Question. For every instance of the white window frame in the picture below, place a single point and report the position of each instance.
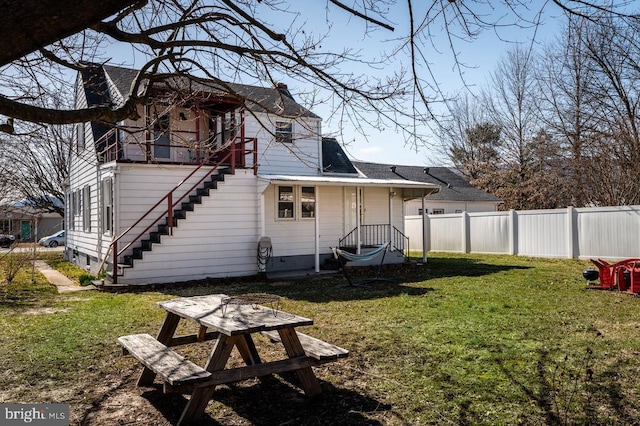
(298, 212)
(284, 131)
(304, 213)
(280, 201)
(107, 205)
(80, 129)
(86, 208)
(70, 213)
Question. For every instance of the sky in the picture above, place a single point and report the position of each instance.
(480, 56)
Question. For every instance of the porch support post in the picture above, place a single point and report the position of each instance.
(424, 231)
(317, 229)
(358, 224)
(390, 233)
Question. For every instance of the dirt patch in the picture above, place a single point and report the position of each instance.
(43, 311)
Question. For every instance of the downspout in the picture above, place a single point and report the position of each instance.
(262, 213)
(115, 193)
(317, 230)
(99, 210)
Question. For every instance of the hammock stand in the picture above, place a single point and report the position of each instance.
(344, 256)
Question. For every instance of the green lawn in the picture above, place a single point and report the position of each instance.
(461, 340)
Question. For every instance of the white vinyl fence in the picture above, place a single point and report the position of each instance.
(604, 232)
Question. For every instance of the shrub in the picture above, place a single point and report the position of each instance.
(86, 279)
(12, 263)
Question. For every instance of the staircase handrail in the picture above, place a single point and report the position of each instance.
(114, 244)
(171, 203)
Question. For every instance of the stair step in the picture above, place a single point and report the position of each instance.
(155, 237)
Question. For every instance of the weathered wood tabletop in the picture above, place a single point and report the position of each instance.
(232, 322)
(214, 311)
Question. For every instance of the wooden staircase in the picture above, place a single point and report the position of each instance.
(163, 229)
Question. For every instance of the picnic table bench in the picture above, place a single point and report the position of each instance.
(230, 325)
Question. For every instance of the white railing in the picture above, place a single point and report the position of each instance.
(605, 232)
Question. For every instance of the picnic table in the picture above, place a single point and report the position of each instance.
(231, 322)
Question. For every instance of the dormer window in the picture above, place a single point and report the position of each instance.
(284, 131)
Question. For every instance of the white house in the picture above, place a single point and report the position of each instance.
(190, 189)
(456, 194)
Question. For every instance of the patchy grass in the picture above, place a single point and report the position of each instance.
(460, 340)
(28, 287)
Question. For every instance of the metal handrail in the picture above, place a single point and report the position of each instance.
(371, 235)
(113, 247)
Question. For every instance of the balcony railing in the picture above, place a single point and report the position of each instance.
(243, 152)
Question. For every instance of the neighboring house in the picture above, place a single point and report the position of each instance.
(456, 195)
(26, 223)
(190, 191)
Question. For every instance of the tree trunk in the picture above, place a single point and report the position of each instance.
(27, 25)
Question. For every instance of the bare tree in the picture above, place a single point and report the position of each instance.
(35, 167)
(469, 140)
(566, 76)
(610, 163)
(42, 40)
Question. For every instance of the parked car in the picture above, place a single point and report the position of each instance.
(6, 240)
(54, 240)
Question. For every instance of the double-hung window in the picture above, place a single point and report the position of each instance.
(286, 202)
(308, 201)
(284, 131)
(296, 202)
(107, 206)
(86, 208)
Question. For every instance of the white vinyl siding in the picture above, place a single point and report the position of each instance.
(218, 239)
(299, 158)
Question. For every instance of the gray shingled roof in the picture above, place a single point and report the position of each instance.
(334, 160)
(258, 99)
(453, 187)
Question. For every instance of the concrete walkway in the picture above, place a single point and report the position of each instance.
(64, 284)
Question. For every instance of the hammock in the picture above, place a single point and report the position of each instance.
(350, 257)
(360, 257)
